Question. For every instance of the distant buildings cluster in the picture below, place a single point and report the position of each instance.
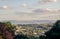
(34, 29)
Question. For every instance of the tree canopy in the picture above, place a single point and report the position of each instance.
(54, 33)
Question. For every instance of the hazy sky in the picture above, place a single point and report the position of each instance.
(29, 10)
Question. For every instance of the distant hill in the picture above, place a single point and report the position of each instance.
(33, 22)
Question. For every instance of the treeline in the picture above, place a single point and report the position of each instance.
(7, 32)
(4, 33)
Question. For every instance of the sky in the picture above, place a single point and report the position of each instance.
(27, 10)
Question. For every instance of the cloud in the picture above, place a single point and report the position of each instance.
(46, 1)
(5, 7)
(24, 5)
(48, 10)
(1, 0)
(39, 11)
(23, 17)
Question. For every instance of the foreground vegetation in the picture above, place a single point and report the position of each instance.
(7, 30)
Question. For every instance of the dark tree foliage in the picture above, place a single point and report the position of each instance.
(3, 31)
(21, 37)
(42, 37)
(54, 33)
(10, 27)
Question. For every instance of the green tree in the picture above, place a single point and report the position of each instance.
(10, 27)
(7, 24)
(54, 33)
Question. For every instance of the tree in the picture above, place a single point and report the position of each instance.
(10, 27)
(54, 33)
(4, 33)
(42, 37)
(21, 37)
